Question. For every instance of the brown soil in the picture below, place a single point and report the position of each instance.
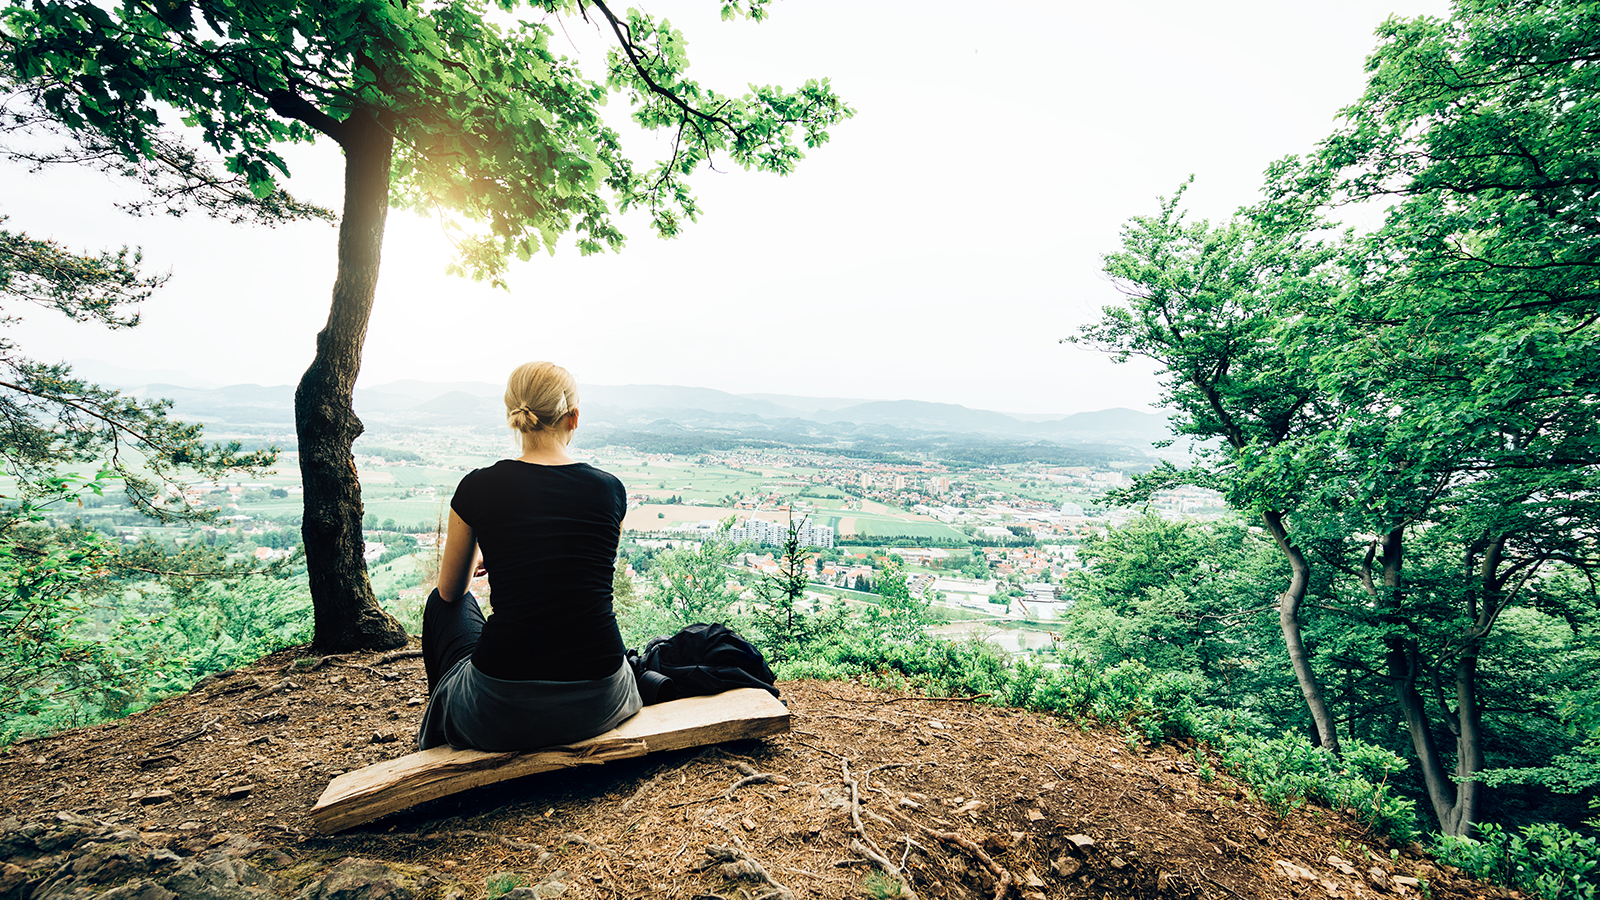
(943, 785)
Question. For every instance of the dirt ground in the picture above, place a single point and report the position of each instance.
(965, 799)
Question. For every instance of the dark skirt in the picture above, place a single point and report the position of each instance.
(468, 709)
(471, 709)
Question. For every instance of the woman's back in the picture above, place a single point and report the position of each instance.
(549, 540)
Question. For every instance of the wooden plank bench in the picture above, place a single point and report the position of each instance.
(387, 787)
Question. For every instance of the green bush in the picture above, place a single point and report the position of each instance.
(1287, 771)
(641, 620)
(153, 644)
(48, 661)
(1156, 706)
(790, 670)
(1545, 860)
(918, 663)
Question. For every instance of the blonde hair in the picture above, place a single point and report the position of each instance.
(539, 395)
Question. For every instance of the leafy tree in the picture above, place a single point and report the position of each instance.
(1205, 303)
(49, 418)
(897, 615)
(691, 583)
(1358, 421)
(1434, 384)
(622, 592)
(1464, 354)
(43, 653)
(1575, 768)
(1181, 597)
(436, 108)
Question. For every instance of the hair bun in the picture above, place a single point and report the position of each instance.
(538, 396)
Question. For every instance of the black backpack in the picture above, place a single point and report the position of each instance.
(699, 660)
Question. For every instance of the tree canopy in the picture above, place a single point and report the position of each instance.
(1418, 403)
(491, 129)
(446, 107)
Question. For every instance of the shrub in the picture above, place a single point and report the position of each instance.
(502, 883)
(1289, 770)
(47, 660)
(157, 645)
(1545, 860)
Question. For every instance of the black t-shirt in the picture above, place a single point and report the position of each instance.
(549, 537)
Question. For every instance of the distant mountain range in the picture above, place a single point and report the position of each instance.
(667, 411)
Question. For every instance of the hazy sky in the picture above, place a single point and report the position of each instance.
(937, 249)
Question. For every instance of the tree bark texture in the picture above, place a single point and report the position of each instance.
(346, 610)
(1289, 620)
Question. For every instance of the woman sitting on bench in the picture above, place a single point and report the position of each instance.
(548, 666)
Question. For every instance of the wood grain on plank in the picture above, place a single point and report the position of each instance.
(388, 787)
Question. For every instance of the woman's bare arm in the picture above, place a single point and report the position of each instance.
(460, 560)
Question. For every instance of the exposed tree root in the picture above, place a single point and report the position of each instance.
(1001, 875)
(863, 843)
(572, 837)
(739, 865)
(397, 654)
(970, 699)
(754, 777)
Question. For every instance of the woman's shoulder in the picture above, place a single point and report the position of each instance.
(603, 480)
(487, 473)
(594, 471)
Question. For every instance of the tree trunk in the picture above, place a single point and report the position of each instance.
(1455, 803)
(1484, 604)
(1289, 620)
(1463, 816)
(1405, 667)
(347, 613)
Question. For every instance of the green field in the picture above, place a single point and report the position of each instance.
(893, 528)
(692, 482)
(408, 512)
(403, 572)
(390, 493)
(423, 476)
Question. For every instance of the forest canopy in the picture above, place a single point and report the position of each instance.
(1412, 413)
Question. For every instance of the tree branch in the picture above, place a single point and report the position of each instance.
(631, 50)
(290, 105)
